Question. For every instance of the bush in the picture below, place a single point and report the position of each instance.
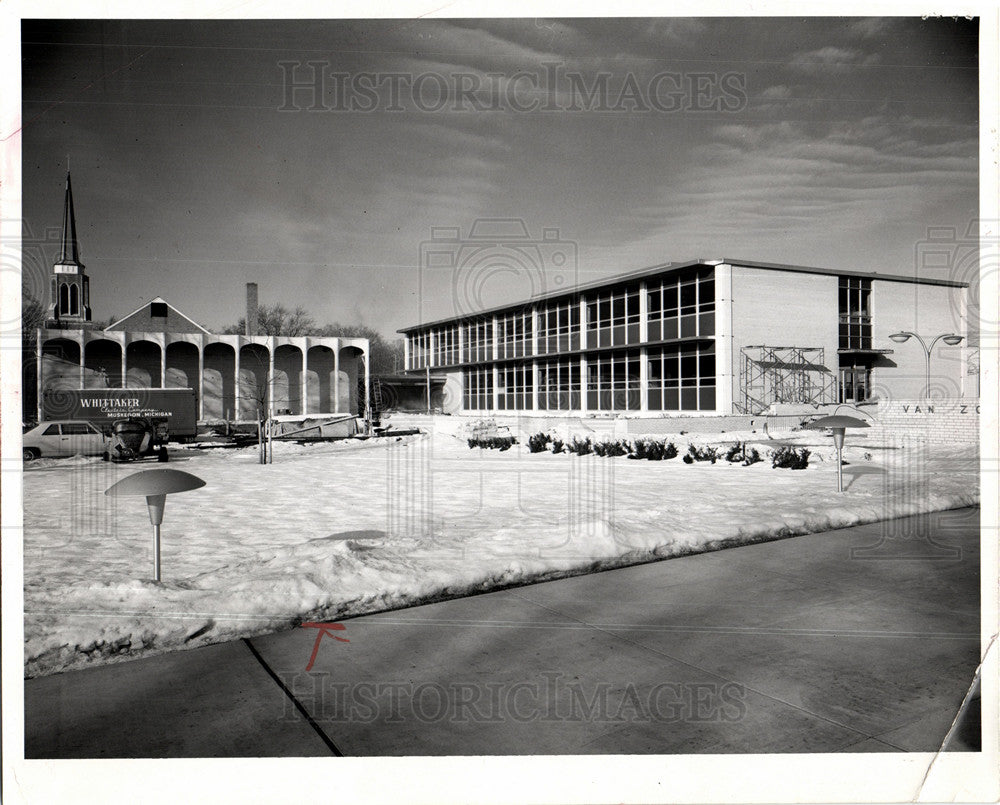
(753, 457)
(539, 442)
(738, 452)
(557, 445)
(580, 447)
(494, 442)
(701, 454)
(611, 448)
(653, 450)
(790, 458)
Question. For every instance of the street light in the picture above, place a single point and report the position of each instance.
(951, 339)
(838, 425)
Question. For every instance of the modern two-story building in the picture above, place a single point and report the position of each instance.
(709, 337)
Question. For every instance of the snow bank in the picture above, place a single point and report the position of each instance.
(329, 531)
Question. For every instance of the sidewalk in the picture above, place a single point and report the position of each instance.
(797, 645)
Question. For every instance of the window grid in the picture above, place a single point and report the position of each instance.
(682, 306)
(559, 385)
(477, 392)
(559, 327)
(613, 382)
(514, 334)
(681, 378)
(419, 350)
(446, 346)
(477, 341)
(514, 388)
(613, 318)
(854, 302)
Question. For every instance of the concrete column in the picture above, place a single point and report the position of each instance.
(534, 330)
(82, 344)
(163, 364)
(583, 322)
(201, 379)
(270, 377)
(236, 386)
(124, 346)
(643, 368)
(304, 378)
(643, 316)
(39, 343)
(496, 384)
(336, 380)
(583, 384)
(726, 370)
(534, 385)
(368, 374)
(461, 343)
(406, 353)
(430, 348)
(496, 342)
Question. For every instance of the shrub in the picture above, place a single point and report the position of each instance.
(653, 450)
(611, 448)
(557, 445)
(739, 452)
(494, 442)
(539, 442)
(670, 450)
(580, 446)
(790, 458)
(701, 454)
(753, 457)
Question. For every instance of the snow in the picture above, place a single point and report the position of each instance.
(339, 529)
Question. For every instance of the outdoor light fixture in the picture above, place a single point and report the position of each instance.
(839, 425)
(155, 485)
(951, 339)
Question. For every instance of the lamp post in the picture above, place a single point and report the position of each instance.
(155, 485)
(951, 339)
(838, 425)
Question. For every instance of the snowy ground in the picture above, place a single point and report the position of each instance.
(341, 529)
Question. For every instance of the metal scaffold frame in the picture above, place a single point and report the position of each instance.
(783, 375)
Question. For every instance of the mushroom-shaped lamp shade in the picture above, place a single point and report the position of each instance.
(953, 340)
(899, 338)
(155, 485)
(838, 424)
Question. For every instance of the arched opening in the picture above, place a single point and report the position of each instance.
(220, 382)
(320, 380)
(63, 299)
(287, 387)
(60, 371)
(142, 361)
(352, 373)
(74, 300)
(182, 366)
(103, 364)
(254, 366)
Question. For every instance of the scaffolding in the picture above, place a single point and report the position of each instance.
(783, 375)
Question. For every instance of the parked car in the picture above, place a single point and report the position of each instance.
(136, 437)
(64, 437)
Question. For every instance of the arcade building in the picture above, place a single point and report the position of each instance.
(704, 337)
(158, 346)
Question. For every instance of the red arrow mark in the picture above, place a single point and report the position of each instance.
(324, 628)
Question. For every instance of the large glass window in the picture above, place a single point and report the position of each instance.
(419, 350)
(855, 313)
(681, 306)
(446, 346)
(477, 391)
(477, 340)
(613, 382)
(559, 385)
(559, 327)
(613, 318)
(514, 388)
(681, 378)
(514, 334)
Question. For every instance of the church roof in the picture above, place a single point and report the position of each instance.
(138, 316)
(70, 252)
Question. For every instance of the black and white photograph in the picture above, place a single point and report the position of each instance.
(588, 407)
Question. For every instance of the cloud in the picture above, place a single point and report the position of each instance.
(831, 60)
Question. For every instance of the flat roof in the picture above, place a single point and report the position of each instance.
(663, 268)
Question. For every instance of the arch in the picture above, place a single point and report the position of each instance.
(320, 368)
(220, 381)
(352, 371)
(74, 299)
(63, 298)
(254, 367)
(287, 385)
(60, 365)
(142, 361)
(181, 366)
(102, 359)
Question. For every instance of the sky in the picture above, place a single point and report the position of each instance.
(588, 147)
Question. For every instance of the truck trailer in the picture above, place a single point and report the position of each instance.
(103, 407)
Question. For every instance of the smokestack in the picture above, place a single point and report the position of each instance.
(251, 319)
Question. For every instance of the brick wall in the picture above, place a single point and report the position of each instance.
(945, 420)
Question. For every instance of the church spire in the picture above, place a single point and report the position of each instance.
(70, 248)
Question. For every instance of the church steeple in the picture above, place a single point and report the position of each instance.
(69, 286)
(70, 247)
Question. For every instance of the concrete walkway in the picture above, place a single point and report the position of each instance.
(860, 640)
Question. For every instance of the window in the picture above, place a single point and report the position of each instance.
(613, 318)
(559, 385)
(158, 310)
(855, 383)
(681, 306)
(63, 298)
(514, 334)
(854, 303)
(477, 341)
(559, 327)
(446, 346)
(76, 429)
(514, 388)
(681, 378)
(613, 382)
(419, 350)
(74, 300)
(477, 391)
(51, 430)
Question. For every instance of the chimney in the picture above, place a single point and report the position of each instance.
(251, 319)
